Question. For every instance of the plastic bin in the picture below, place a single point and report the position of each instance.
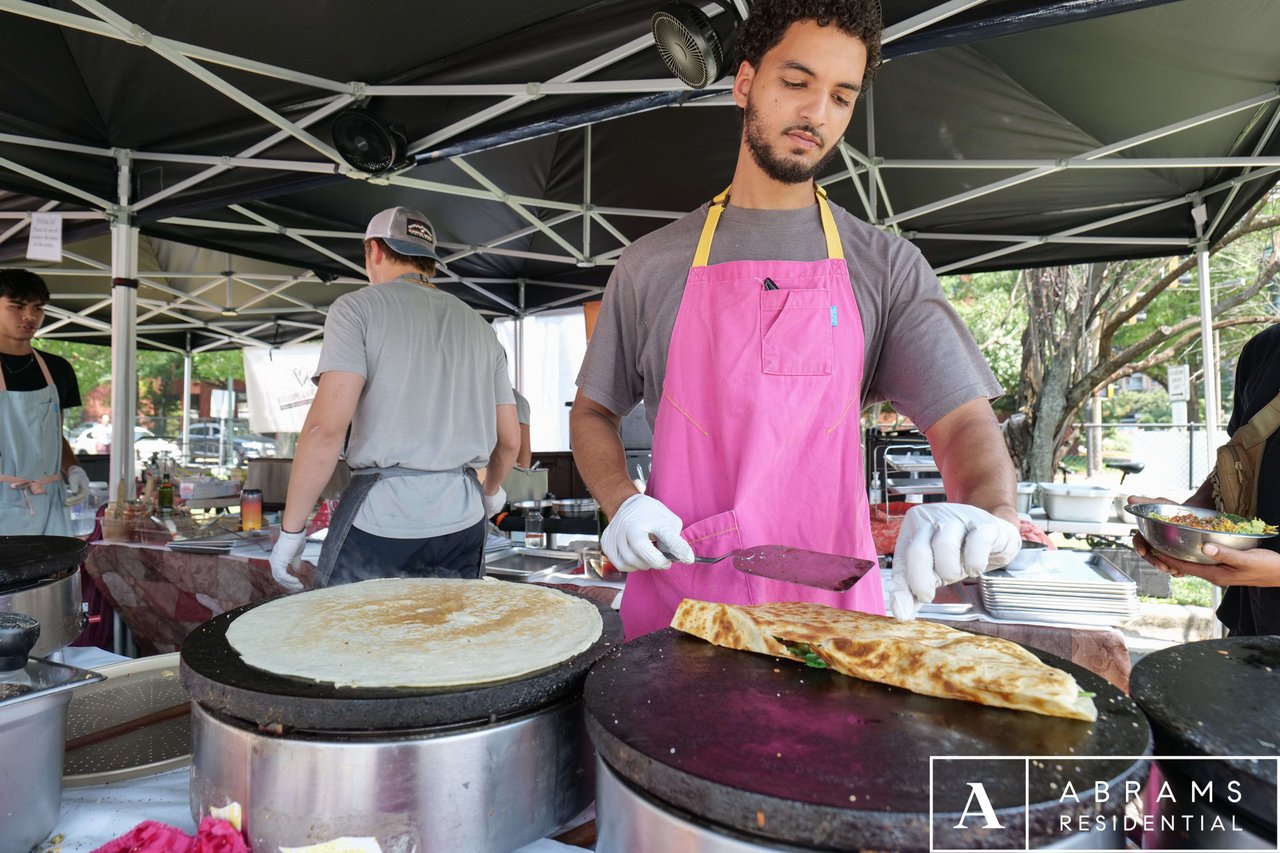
(1072, 502)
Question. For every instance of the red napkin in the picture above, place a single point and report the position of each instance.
(214, 836)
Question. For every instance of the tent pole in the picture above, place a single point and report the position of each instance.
(186, 400)
(519, 340)
(124, 354)
(1200, 215)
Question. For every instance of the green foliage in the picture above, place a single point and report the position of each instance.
(159, 374)
(990, 307)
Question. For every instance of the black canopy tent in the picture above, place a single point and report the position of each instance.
(544, 137)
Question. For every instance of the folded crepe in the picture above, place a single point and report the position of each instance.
(923, 657)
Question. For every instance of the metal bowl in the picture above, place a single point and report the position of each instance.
(576, 507)
(1184, 542)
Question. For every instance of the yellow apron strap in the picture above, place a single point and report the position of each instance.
(834, 250)
(709, 228)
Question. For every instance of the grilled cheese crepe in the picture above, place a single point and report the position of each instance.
(923, 657)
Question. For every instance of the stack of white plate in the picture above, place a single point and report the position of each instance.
(1078, 587)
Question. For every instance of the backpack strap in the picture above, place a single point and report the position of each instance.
(1261, 425)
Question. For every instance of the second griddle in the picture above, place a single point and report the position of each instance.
(773, 748)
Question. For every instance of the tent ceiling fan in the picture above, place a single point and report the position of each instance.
(696, 48)
(367, 143)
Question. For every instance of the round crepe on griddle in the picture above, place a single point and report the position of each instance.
(416, 632)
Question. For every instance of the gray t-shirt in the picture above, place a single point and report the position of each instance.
(522, 408)
(434, 377)
(919, 355)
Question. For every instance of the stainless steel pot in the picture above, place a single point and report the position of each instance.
(53, 602)
(32, 730)
(272, 477)
(493, 787)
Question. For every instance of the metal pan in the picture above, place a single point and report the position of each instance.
(24, 559)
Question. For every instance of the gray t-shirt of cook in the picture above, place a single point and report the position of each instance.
(435, 374)
(522, 409)
(919, 355)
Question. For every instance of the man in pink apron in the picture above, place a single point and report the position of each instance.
(756, 329)
(34, 389)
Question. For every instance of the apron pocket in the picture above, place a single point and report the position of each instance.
(714, 535)
(796, 334)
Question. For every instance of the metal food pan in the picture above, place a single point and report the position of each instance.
(529, 564)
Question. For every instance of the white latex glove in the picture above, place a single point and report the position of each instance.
(626, 540)
(77, 485)
(938, 544)
(287, 555)
(494, 503)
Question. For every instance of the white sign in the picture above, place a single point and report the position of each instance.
(44, 243)
(279, 387)
(222, 403)
(1179, 381)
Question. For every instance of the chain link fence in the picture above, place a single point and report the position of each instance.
(1175, 458)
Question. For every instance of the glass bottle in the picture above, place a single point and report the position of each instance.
(164, 497)
(534, 537)
(251, 509)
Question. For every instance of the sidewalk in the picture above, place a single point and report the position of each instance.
(1162, 625)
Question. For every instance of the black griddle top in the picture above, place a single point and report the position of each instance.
(217, 677)
(1218, 698)
(773, 748)
(26, 559)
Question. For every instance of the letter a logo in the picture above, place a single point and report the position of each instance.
(984, 804)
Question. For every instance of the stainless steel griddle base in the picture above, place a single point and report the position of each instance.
(55, 603)
(488, 788)
(628, 820)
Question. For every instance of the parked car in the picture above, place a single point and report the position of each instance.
(97, 439)
(205, 444)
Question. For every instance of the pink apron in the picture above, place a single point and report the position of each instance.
(757, 439)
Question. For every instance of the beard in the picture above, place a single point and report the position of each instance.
(786, 170)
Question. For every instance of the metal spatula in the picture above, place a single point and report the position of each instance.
(796, 565)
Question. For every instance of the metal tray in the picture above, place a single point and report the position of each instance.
(911, 462)
(529, 564)
(132, 690)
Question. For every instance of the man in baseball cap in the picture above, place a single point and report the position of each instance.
(416, 384)
(404, 230)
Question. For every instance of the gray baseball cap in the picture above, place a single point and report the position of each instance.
(406, 231)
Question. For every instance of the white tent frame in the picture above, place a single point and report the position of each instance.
(191, 310)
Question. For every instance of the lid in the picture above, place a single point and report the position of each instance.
(24, 559)
(40, 677)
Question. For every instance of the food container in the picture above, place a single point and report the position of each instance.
(33, 716)
(576, 507)
(1185, 542)
(1074, 502)
(1026, 495)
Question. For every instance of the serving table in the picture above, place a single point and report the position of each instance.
(163, 595)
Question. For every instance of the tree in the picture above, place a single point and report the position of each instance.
(1089, 326)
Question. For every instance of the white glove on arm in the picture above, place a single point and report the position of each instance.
(626, 540)
(494, 503)
(287, 555)
(938, 544)
(77, 485)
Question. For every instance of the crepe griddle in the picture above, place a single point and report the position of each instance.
(24, 559)
(769, 747)
(219, 680)
(1218, 698)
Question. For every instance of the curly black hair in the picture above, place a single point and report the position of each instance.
(769, 20)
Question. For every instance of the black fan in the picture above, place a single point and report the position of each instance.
(694, 47)
(366, 143)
